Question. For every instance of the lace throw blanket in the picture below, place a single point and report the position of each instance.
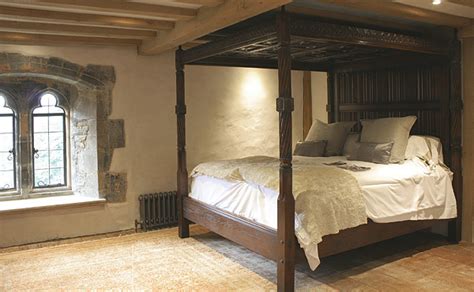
(328, 199)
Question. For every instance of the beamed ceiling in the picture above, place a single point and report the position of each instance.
(155, 26)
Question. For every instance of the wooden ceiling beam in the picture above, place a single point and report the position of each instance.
(209, 3)
(109, 6)
(398, 10)
(55, 40)
(468, 3)
(209, 19)
(467, 32)
(74, 30)
(17, 13)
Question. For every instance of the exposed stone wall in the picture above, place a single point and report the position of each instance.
(87, 91)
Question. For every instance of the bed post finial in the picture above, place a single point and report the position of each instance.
(182, 175)
(286, 201)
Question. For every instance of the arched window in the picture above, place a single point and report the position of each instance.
(49, 143)
(7, 146)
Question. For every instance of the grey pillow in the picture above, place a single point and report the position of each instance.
(396, 130)
(310, 148)
(351, 144)
(335, 134)
(372, 152)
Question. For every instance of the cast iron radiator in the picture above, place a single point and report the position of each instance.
(157, 210)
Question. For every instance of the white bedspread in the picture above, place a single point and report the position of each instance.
(394, 192)
(327, 199)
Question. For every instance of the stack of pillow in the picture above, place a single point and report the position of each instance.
(385, 140)
(324, 139)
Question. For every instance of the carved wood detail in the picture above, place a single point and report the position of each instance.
(312, 42)
(352, 34)
(260, 33)
(286, 201)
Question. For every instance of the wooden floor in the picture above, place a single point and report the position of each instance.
(157, 260)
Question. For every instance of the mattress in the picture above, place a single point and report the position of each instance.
(393, 192)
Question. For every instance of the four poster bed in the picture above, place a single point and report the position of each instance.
(372, 73)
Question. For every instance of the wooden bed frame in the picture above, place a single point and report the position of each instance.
(372, 72)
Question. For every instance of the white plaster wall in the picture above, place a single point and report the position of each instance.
(319, 91)
(231, 113)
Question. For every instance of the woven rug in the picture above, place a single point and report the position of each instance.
(143, 261)
(159, 260)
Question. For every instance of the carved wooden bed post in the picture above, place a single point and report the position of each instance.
(182, 175)
(286, 201)
(455, 111)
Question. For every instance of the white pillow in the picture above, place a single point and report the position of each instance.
(351, 145)
(386, 130)
(335, 134)
(426, 147)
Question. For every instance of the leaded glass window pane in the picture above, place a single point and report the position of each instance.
(49, 143)
(7, 147)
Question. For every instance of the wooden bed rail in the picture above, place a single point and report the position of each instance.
(256, 237)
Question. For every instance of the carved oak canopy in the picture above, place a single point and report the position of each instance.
(316, 44)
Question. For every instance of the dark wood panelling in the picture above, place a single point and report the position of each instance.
(419, 91)
(454, 156)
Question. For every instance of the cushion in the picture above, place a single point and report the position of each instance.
(426, 147)
(310, 148)
(335, 134)
(372, 152)
(351, 144)
(396, 130)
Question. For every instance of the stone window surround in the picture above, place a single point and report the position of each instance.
(94, 85)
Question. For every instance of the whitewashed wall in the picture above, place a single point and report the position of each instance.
(231, 113)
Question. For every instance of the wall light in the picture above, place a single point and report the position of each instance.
(436, 2)
(252, 88)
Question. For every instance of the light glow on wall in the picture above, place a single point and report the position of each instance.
(252, 89)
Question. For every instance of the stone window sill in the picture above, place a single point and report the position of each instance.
(49, 203)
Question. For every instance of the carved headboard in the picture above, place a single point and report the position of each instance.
(421, 90)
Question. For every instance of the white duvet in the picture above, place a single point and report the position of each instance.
(394, 192)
